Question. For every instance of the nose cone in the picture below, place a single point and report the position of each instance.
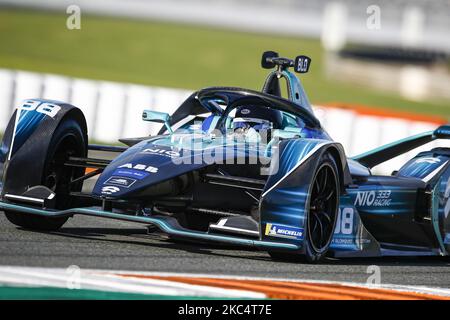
(159, 159)
(141, 166)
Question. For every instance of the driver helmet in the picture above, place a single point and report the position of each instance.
(258, 118)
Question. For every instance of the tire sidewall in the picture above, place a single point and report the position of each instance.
(311, 255)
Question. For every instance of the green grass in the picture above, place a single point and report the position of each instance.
(155, 53)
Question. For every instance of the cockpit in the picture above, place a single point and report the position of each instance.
(244, 114)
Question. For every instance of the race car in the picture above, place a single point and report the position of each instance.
(232, 166)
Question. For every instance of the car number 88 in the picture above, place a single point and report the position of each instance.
(344, 223)
(48, 109)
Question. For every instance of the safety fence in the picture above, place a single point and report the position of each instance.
(113, 110)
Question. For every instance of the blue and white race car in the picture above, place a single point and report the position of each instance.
(233, 166)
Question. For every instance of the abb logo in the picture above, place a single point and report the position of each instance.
(46, 108)
(141, 167)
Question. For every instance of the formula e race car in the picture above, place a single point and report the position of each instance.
(232, 166)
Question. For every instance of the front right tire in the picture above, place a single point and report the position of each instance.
(67, 140)
(321, 215)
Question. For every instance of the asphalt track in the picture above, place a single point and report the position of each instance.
(107, 244)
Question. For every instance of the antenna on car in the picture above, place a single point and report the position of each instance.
(271, 59)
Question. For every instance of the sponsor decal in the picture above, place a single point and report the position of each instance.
(140, 167)
(343, 241)
(161, 152)
(275, 230)
(110, 190)
(121, 181)
(48, 109)
(380, 198)
(351, 242)
(245, 111)
(134, 171)
(130, 173)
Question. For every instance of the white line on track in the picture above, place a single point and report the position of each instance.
(111, 280)
(94, 280)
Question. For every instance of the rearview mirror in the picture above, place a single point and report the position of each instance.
(158, 117)
(266, 61)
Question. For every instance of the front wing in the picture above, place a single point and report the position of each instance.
(165, 224)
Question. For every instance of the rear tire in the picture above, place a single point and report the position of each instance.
(321, 216)
(68, 140)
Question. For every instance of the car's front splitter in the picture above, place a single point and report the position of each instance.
(165, 224)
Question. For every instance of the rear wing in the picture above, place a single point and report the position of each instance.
(389, 151)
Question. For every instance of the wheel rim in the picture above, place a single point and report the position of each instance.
(322, 209)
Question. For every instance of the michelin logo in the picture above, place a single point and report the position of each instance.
(275, 230)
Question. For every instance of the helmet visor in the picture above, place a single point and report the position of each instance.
(247, 123)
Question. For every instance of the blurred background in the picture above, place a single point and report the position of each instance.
(380, 69)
